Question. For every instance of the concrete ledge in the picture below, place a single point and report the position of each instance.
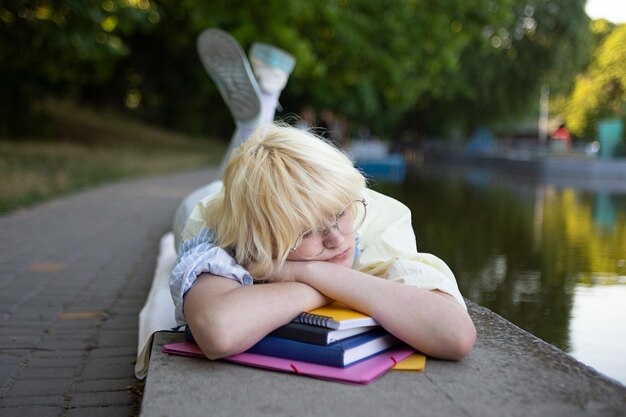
(509, 373)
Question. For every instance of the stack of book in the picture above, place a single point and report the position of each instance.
(333, 342)
(334, 335)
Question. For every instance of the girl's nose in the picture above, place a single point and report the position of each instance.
(333, 238)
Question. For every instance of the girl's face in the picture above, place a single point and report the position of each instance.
(334, 242)
(338, 248)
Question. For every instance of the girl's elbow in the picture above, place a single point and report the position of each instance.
(215, 341)
(216, 349)
(463, 342)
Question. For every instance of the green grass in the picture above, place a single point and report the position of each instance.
(90, 148)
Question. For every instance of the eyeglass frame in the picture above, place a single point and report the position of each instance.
(333, 225)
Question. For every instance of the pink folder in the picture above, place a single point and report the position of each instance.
(363, 372)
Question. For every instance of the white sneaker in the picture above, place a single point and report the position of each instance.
(228, 66)
(272, 67)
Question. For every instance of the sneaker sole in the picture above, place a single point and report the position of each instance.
(227, 65)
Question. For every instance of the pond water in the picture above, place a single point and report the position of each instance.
(550, 259)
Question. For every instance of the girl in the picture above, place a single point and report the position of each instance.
(293, 227)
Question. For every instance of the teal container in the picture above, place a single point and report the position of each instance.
(610, 133)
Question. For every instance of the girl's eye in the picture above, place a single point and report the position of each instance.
(307, 234)
(341, 214)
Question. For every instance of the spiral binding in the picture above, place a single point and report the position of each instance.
(313, 319)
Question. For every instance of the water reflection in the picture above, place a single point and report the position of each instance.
(531, 252)
(593, 323)
(604, 211)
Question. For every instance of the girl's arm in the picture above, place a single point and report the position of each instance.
(227, 318)
(430, 321)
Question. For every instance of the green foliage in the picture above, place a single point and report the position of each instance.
(601, 90)
(407, 64)
(50, 45)
(515, 47)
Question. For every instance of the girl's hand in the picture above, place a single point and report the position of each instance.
(288, 273)
(295, 271)
(302, 271)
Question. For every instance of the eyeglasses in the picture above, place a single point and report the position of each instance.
(311, 243)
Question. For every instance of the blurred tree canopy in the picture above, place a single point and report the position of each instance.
(413, 65)
(600, 91)
(60, 47)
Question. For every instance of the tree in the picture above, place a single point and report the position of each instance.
(374, 62)
(368, 60)
(363, 59)
(515, 47)
(601, 90)
(56, 45)
(413, 64)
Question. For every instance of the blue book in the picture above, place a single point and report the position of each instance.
(338, 354)
(316, 334)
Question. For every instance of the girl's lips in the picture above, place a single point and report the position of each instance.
(341, 256)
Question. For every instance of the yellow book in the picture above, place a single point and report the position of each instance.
(415, 362)
(335, 316)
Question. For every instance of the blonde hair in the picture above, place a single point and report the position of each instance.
(279, 182)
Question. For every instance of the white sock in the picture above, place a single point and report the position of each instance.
(269, 102)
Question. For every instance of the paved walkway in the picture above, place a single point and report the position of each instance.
(74, 274)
